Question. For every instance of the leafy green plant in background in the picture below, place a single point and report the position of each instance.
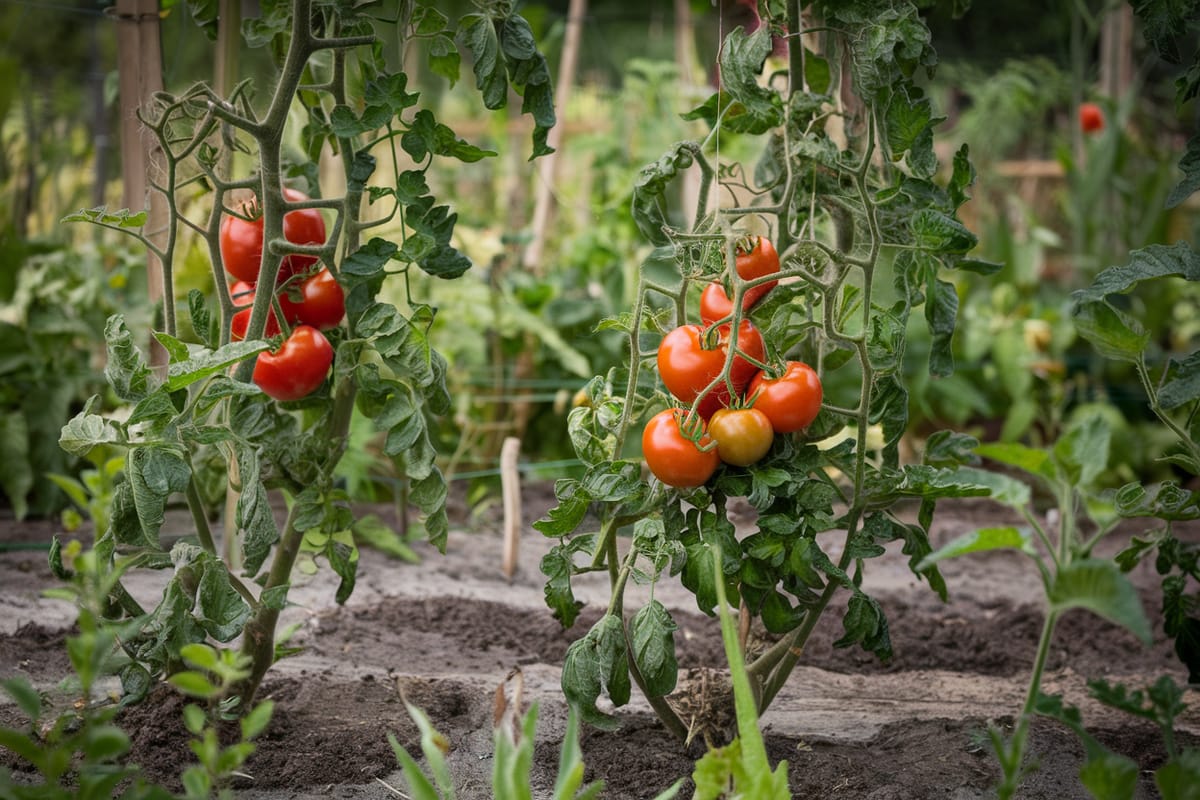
(1072, 577)
(335, 71)
(1111, 314)
(1172, 387)
(845, 188)
(77, 753)
(50, 320)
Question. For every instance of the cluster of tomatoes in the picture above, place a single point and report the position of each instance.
(310, 300)
(684, 449)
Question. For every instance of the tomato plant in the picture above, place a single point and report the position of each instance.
(297, 368)
(1091, 118)
(223, 402)
(843, 221)
(791, 401)
(743, 435)
(673, 451)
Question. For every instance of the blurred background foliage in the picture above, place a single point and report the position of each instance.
(1053, 205)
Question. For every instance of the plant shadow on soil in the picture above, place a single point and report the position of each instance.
(445, 633)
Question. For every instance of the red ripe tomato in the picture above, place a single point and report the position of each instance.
(687, 368)
(241, 323)
(242, 294)
(323, 303)
(1091, 117)
(715, 303)
(297, 368)
(674, 458)
(241, 241)
(743, 435)
(758, 261)
(304, 226)
(792, 401)
(243, 298)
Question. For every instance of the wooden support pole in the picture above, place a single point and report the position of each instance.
(510, 489)
(543, 205)
(139, 72)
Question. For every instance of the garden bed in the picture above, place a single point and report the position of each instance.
(445, 633)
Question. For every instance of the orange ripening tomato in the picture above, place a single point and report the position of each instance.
(743, 435)
(674, 458)
(1091, 118)
(792, 401)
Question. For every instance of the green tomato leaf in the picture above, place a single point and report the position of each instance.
(742, 58)
(86, 430)
(866, 625)
(426, 136)
(1100, 587)
(1149, 263)
(910, 123)
(1183, 385)
(444, 58)
(369, 260)
(220, 609)
(979, 541)
(210, 362)
(937, 232)
(254, 516)
(653, 634)
(126, 370)
(1081, 454)
(155, 473)
(1027, 459)
(1112, 332)
(941, 312)
(611, 651)
(581, 682)
(1189, 165)
(557, 566)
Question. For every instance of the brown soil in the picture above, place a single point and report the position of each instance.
(443, 634)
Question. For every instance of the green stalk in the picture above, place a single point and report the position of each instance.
(1021, 735)
(662, 709)
(258, 637)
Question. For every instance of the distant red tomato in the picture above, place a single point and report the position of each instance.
(1091, 117)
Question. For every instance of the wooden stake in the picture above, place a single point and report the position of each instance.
(542, 210)
(510, 487)
(139, 72)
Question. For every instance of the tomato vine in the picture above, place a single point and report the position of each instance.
(848, 190)
(280, 421)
